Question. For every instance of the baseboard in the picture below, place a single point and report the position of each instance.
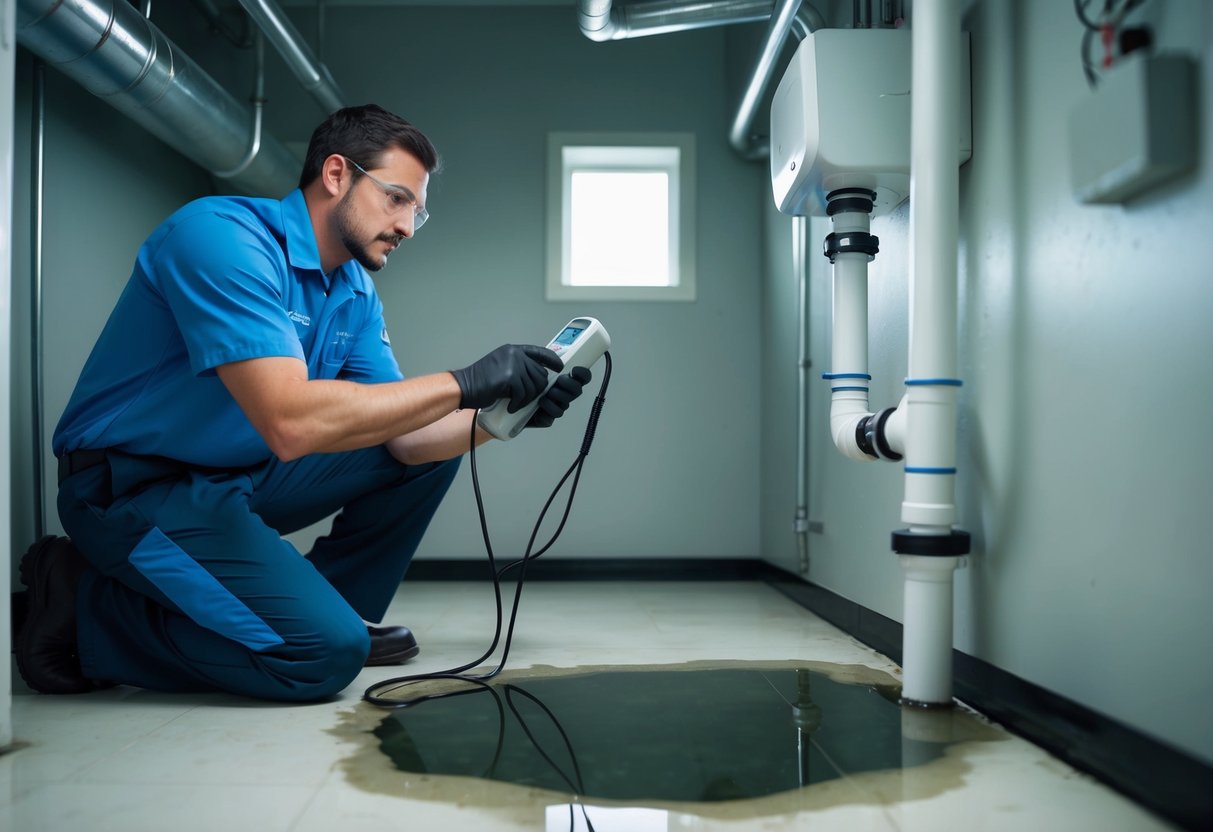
(605, 569)
(1161, 778)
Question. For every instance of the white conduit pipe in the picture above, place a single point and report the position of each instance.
(848, 376)
(929, 505)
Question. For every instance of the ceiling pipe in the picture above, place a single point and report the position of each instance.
(117, 54)
(783, 16)
(312, 74)
(600, 20)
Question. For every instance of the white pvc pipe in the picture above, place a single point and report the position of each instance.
(895, 427)
(934, 211)
(849, 379)
(930, 455)
(926, 653)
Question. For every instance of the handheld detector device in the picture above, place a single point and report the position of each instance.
(580, 344)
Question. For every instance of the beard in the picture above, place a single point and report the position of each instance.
(355, 240)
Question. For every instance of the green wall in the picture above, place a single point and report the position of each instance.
(674, 470)
(107, 184)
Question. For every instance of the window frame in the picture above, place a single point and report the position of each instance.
(681, 207)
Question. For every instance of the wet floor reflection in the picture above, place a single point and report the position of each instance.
(700, 735)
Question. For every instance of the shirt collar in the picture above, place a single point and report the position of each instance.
(301, 249)
(303, 253)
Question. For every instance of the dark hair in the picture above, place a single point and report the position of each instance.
(363, 133)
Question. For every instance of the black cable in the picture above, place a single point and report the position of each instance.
(577, 787)
(1080, 9)
(1112, 18)
(1088, 69)
(375, 694)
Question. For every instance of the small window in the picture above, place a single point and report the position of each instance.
(621, 216)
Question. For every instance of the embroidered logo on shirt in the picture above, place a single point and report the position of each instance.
(383, 337)
(299, 318)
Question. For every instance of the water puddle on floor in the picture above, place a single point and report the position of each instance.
(719, 739)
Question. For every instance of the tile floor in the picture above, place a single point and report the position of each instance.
(132, 760)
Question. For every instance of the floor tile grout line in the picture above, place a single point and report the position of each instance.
(333, 769)
(80, 772)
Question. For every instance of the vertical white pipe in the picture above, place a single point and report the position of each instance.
(849, 347)
(849, 379)
(926, 651)
(930, 458)
(934, 186)
(934, 212)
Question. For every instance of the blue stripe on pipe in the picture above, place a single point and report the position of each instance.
(934, 382)
(916, 470)
(847, 389)
(828, 376)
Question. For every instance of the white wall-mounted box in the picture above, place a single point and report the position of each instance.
(840, 118)
(1136, 130)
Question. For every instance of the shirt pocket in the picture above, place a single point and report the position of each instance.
(338, 344)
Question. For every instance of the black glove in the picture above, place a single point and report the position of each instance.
(513, 371)
(559, 396)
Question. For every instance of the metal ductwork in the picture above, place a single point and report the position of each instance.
(117, 54)
(601, 21)
(312, 74)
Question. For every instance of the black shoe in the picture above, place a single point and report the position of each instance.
(391, 645)
(46, 643)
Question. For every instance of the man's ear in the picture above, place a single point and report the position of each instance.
(332, 171)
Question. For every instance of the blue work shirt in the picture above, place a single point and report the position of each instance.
(223, 279)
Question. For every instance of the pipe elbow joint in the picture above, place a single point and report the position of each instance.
(846, 429)
(880, 435)
(598, 27)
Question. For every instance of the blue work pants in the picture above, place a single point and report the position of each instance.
(193, 588)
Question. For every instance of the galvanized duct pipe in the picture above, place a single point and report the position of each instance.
(114, 52)
(784, 14)
(313, 75)
(600, 21)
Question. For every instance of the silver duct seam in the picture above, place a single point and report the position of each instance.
(600, 20)
(117, 54)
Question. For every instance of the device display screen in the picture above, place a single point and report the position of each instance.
(569, 335)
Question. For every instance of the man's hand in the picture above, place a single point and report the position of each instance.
(513, 371)
(559, 396)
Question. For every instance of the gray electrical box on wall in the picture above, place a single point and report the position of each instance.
(1136, 130)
